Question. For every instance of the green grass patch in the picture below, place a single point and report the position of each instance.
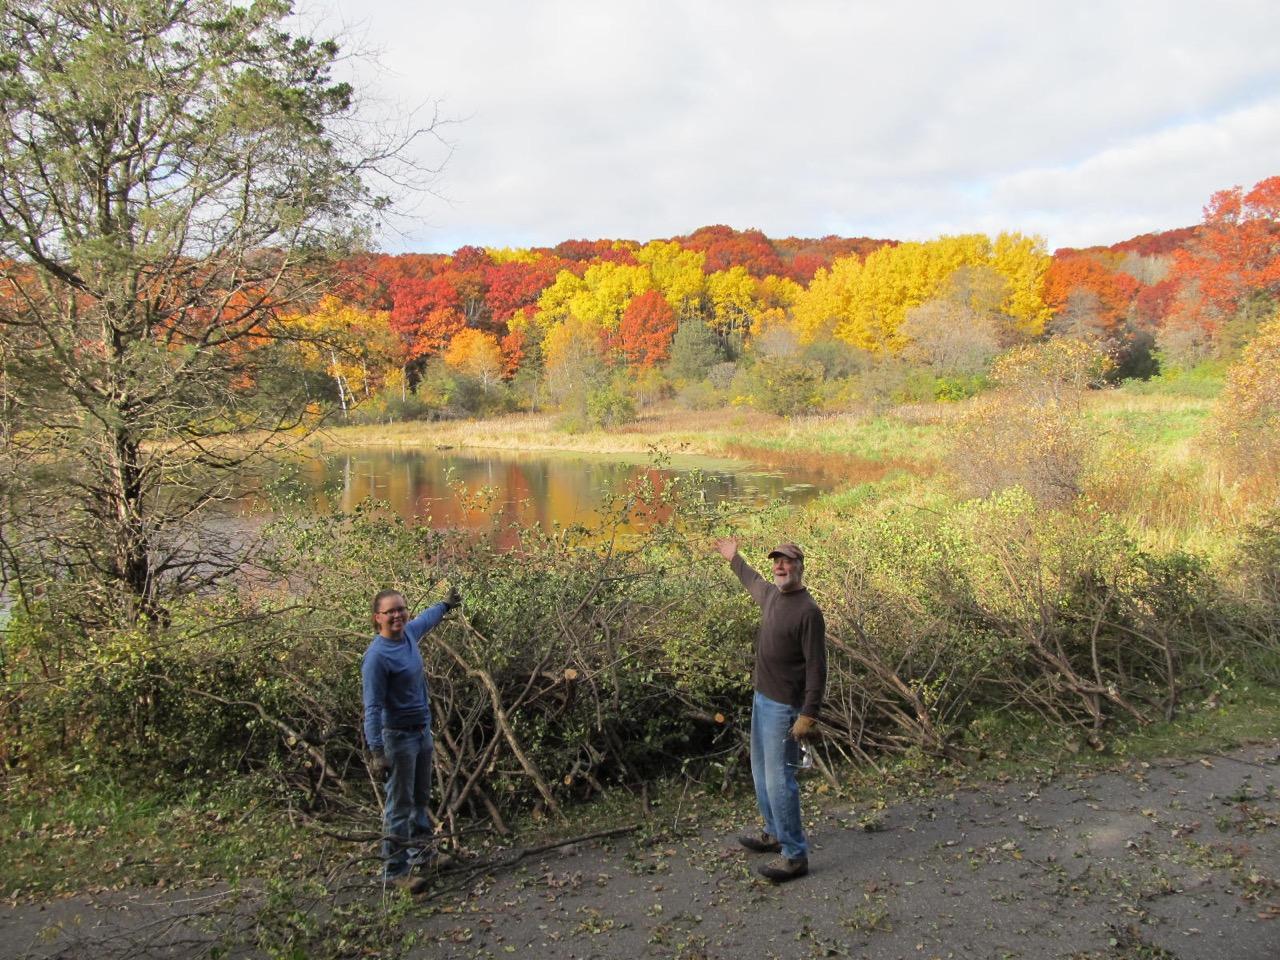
(1156, 427)
(1204, 381)
(100, 834)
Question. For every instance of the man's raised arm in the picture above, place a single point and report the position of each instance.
(755, 584)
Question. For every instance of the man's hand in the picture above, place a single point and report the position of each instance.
(803, 727)
(728, 547)
(379, 766)
(454, 599)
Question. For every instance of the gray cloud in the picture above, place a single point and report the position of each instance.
(1086, 123)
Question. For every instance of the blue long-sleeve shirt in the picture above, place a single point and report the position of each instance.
(393, 681)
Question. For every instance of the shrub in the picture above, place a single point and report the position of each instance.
(1031, 433)
(694, 350)
(786, 386)
(1245, 429)
(610, 405)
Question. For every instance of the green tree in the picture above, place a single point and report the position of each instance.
(173, 173)
(694, 350)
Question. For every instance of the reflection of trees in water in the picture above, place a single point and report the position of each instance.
(528, 491)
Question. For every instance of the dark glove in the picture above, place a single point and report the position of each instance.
(454, 599)
(379, 766)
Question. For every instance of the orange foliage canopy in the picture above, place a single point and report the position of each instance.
(1236, 252)
(646, 330)
(1114, 290)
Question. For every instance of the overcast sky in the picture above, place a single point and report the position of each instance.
(1084, 122)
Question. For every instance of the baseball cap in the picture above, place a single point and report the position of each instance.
(787, 550)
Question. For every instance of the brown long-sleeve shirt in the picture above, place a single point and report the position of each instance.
(791, 646)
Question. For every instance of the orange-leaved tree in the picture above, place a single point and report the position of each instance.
(1234, 257)
(476, 354)
(644, 335)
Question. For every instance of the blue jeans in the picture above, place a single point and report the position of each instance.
(775, 757)
(409, 753)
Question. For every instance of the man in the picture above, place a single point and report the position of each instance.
(397, 726)
(790, 676)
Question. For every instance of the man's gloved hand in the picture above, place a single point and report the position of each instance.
(803, 727)
(454, 599)
(379, 765)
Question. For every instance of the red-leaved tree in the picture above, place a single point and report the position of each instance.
(646, 329)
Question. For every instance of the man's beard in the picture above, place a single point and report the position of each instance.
(788, 582)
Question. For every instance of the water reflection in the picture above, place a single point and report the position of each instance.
(527, 489)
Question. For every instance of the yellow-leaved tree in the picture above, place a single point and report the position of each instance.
(356, 348)
(573, 360)
(828, 299)
(864, 303)
(599, 296)
(476, 354)
(731, 298)
(512, 255)
(1245, 427)
(676, 273)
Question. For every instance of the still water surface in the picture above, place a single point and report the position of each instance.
(528, 488)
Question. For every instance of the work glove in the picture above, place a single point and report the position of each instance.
(454, 599)
(379, 765)
(803, 727)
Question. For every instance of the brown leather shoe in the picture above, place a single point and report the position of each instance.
(784, 869)
(760, 842)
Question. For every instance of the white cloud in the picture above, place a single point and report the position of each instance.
(593, 118)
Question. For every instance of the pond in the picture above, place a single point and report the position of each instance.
(527, 488)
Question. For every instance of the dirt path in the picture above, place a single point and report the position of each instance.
(1173, 859)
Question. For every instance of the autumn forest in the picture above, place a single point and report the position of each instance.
(597, 328)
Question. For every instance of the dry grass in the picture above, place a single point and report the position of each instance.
(845, 467)
(849, 447)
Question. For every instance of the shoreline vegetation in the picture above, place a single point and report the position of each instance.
(896, 433)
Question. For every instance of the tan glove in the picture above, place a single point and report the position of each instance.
(803, 727)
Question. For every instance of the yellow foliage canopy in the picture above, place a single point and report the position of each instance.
(864, 302)
(476, 354)
(676, 273)
(352, 345)
(598, 297)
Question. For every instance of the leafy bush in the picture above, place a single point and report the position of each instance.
(610, 405)
(1032, 432)
(785, 386)
(1246, 423)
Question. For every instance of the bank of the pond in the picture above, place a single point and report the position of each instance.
(845, 448)
(860, 445)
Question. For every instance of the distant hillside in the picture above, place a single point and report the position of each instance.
(1156, 244)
